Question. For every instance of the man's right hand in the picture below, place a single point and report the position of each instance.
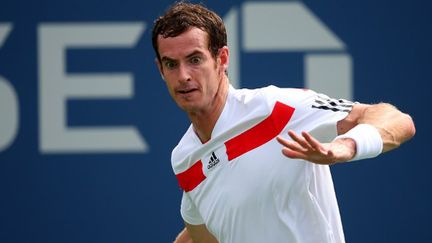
(199, 234)
(183, 237)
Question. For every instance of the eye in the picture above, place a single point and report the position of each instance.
(195, 60)
(170, 64)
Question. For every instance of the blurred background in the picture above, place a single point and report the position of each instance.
(87, 126)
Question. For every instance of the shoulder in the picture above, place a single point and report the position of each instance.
(270, 92)
(269, 95)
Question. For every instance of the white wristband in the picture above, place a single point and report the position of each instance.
(368, 141)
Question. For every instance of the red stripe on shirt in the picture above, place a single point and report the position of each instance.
(258, 135)
(261, 133)
(192, 177)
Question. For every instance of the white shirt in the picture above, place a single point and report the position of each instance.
(240, 184)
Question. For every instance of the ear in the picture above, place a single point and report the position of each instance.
(224, 57)
(158, 64)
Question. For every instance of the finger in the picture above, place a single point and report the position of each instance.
(291, 145)
(315, 144)
(300, 140)
(293, 154)
(330, 154)
(282, 140)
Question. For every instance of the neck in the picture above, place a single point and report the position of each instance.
(204, 121)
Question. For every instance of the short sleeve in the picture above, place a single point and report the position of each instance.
(314, 112)
(189, 212)
(326, 112)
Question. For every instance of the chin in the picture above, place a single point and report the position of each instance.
(190, 108)
(185, 106)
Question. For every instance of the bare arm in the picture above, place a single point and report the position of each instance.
(183, 237)
(195, 234)
(394, 127)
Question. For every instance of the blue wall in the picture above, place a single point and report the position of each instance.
(55, 191)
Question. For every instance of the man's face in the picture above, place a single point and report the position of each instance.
(191, 73)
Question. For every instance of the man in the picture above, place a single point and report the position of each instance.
(254, 163)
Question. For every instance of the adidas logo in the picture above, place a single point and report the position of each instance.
(213, 161)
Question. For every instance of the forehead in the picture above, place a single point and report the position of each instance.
(192, 40)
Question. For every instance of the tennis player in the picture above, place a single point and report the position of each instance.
(253, 165)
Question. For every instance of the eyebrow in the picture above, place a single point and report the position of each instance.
(166, 59)
(196, 52)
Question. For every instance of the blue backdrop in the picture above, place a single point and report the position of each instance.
(87, 126)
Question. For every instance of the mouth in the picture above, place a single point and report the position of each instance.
(186, 91)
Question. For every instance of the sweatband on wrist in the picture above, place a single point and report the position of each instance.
(368, 141)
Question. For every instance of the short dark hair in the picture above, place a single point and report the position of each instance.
(183, 15)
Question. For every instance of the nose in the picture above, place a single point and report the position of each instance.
(183, 74)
